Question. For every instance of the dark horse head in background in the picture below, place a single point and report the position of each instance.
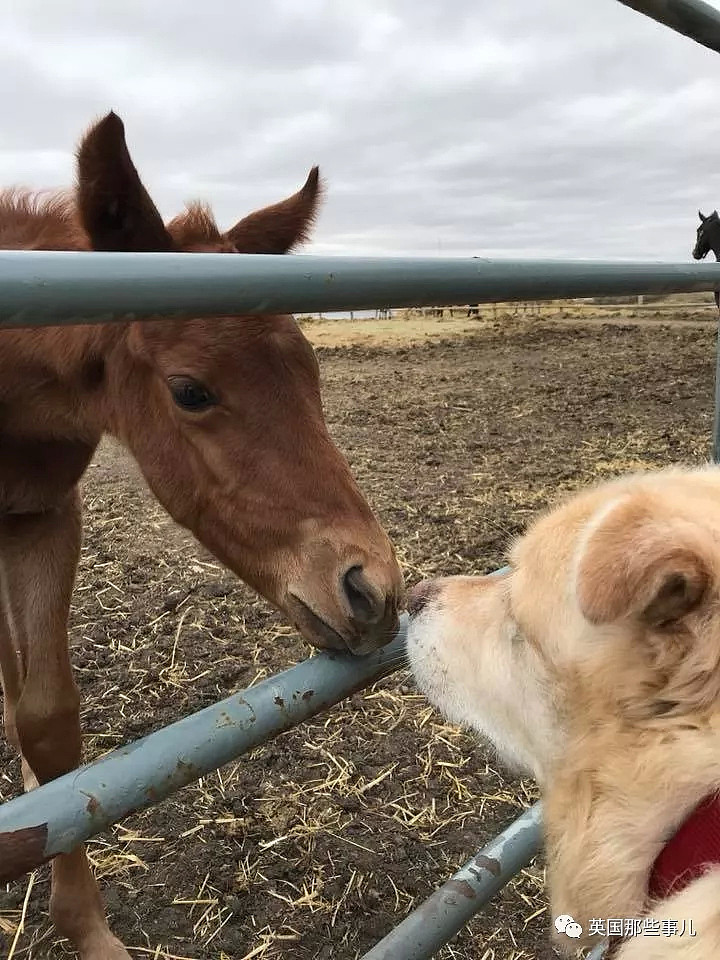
(708, 238)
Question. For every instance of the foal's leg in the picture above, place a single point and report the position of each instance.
(12, 672)
(38, 557)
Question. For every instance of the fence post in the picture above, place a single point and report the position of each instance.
(716, 419)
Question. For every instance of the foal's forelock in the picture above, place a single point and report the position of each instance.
(197, 228)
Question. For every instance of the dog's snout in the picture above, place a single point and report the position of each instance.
(420, 595)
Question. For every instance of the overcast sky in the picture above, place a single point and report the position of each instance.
(530, 128)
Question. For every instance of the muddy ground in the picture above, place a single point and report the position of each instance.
(317, 844)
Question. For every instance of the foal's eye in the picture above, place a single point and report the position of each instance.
(190, 394)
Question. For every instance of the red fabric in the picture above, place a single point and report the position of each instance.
(695, 846)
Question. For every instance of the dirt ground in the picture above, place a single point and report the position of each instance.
(315, 845)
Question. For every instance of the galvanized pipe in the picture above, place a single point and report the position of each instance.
(448, 909)
(45, 288)
(716, 417)
(61, 814)
(692, 18)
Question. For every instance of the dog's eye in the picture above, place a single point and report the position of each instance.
(190, 394)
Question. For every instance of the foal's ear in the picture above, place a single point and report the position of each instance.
(115, 208)
(641, 563)
(282, 226)
(702, 218)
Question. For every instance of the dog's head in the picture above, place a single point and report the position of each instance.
(608, 609)
(593, 663)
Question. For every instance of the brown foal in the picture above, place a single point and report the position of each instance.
(224, 418)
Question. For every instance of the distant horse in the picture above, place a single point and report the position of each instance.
(708, 238)
(224, 418)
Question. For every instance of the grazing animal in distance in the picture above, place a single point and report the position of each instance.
(224, 418)
(708, 238)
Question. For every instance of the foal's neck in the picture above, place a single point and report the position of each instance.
(52, 379)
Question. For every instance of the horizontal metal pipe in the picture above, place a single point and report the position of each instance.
(692, 18)
(450, 907)
(45, 288)
(61, 814)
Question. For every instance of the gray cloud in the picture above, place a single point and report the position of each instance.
(522, 128)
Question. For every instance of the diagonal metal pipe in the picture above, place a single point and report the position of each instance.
(692, 18)
(57, 816)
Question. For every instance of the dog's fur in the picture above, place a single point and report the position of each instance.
(594, 664)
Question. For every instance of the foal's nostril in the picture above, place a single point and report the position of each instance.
(420, 596)
(366, 602)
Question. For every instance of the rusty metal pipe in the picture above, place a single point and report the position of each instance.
(61, 814)
(450, 907)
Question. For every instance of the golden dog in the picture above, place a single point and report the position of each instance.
(594, 664)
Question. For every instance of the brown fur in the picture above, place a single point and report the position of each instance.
(37, 221)
(595, 663)
(252, 473)
(196, 228)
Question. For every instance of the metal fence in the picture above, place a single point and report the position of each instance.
(46, 288)
(51, 288)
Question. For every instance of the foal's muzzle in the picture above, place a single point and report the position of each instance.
(363, 617)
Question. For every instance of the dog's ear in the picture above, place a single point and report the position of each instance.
(640, 562)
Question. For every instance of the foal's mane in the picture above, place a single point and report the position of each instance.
(40, 220)
(48, 220)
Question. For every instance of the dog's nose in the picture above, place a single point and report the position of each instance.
(420, 595)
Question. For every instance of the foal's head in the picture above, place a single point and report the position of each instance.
(708, 235)
(225, 419)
